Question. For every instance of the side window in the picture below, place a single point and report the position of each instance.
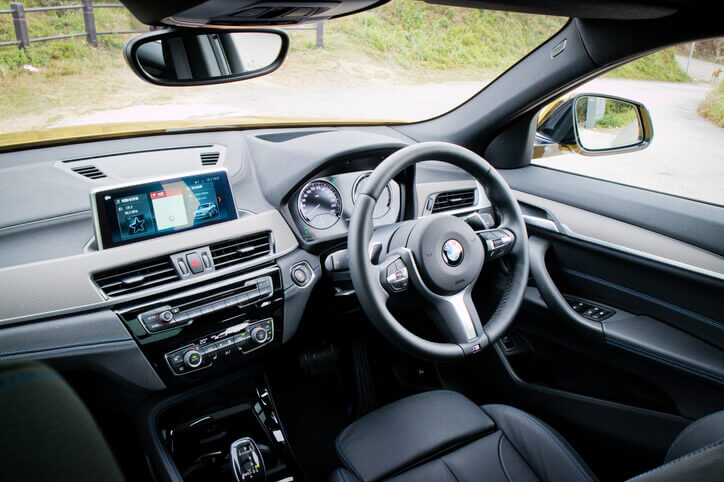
(655, 123)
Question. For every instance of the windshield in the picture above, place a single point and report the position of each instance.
(405, 61)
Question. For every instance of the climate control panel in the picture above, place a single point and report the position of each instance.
(232, 342)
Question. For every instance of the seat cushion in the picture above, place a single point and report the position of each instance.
(705, 431)
(407, 431)
(48, 434)
(442, 436)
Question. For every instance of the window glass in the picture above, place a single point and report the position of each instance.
(685, 97)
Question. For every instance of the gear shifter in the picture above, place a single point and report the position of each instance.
(246, 461)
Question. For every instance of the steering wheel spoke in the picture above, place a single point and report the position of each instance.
(497, 242)
(456, 317)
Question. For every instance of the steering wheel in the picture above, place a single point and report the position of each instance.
(438, 258)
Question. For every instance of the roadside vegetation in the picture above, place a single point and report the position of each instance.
(403, 42)
(713, 106)
(661, 65)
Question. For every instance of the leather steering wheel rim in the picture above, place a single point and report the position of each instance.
(373, 296)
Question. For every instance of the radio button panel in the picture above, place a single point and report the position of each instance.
(167, 317)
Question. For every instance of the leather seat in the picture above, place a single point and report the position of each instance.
(443, 436)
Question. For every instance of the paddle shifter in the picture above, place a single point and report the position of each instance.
(246, 461)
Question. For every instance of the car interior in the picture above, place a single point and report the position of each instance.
(363, 301)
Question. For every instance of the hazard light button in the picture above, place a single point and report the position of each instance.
(194, 262)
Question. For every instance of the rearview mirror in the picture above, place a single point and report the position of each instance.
(202, 56)
(592, 125)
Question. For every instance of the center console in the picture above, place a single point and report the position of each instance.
(195, 334)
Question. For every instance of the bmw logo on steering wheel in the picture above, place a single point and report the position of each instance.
(452, 252)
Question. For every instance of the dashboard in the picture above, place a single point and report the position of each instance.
(167, 259)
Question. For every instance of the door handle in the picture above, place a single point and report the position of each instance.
(552, 296)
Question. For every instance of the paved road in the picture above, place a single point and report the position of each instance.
(699, 70)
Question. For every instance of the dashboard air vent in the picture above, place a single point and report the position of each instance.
(240, 250)
(449, 200)
(209, 158)
(136, 277)
(91, 172)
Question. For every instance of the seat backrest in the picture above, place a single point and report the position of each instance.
(48, 433)
(697, 453)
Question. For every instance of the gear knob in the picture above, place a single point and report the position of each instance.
(247, 462)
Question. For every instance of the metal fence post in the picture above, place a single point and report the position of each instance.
(90, 23)
(320, 35)
(691, 54)
(21, 28)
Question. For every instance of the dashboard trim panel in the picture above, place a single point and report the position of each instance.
(62, 286)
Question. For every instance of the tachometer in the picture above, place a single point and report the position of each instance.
(320, 204)
(383, 203)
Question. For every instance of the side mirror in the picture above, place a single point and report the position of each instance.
(182, 57)
(594, 125)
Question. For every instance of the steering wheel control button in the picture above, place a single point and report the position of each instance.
(452, 252)
(498, 242)
(397, 276)
(302, 274)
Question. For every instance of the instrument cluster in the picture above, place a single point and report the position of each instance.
(323, 207)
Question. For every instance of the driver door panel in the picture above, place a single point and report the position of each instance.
(633, 379)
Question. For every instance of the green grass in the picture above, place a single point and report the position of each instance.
(658, 66)
(713, 106)
(67, 56)
(413, 34)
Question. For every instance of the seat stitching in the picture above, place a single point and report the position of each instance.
(500, 457)
(661, 359)
(576, 463)
(688, 429)
(345, 461)
(683, 457)
(442, 459)
(23, 377)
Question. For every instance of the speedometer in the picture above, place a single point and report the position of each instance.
(320, 204)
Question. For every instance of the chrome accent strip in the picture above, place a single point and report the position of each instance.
(541, 223)
(670, 262)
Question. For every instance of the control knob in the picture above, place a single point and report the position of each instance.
(165, 316)
(259, 335)
(193, 358)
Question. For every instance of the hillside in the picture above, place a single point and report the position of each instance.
(404, 42)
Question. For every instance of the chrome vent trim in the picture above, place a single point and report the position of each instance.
(89, 171)
(240, 250)
(452, 200)
(136, 277)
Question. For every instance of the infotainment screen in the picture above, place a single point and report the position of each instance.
(131, 213)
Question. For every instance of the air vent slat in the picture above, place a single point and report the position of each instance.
(209, 158)
(447, 201)
(91, 172)
(136, 277)
(229, 253)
